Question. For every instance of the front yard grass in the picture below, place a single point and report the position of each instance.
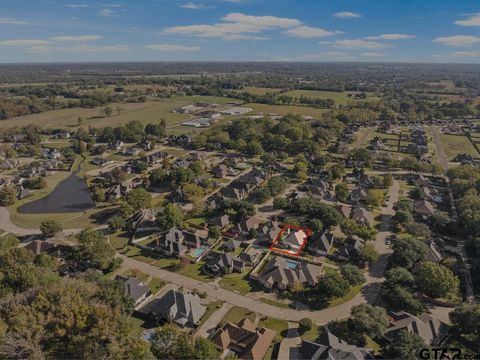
(239, 283)
(354, 291)
(195, 272)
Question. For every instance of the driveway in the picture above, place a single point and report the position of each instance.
(290, 344)
(210, 325)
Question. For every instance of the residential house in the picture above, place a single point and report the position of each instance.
(423, 207)
(231, 245)
(345, 210)
(143, 220)
(320, 243)
(23, 193)
(318, 188)
(221, 221)
(220, 171)
(101, 161)
(58, 251)
(352, 249)
(330, 347)
(358, 195)
(183, 309)
(269, 231)
(294, 239)
(8, 164)
(284, 273)
(135, 289)
(431, 330)
(251, 255)
(222, 263)
(245, 227)
(171, 244)
(362, 215)
(244, 339)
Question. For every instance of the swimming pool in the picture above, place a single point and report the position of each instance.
(199, 251)
(291, 264)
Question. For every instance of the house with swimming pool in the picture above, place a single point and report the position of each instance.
(282, 273)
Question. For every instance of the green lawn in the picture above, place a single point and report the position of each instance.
(237, 283)
(274, 303)
(285, 110)
(195, 271)
(313, 333)
(354, 291)
(155, 285)
(457, 144)
(211, 307)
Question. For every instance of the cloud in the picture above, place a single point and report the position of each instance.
(24, 42)
(108, 13)
(236, 26)
(194, 6)
(9, 21)
(472, 20)
(373, 54)
(471, 55)
(347, 15)
(310, 32)
(78, 38)
(358, 44)
(92, 48)
(236, 1)
(76, 6)
(457, 40)
(391, 37)
(171, 48)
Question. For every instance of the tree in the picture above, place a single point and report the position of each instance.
(402, 217)
(305, 324)
(214, 232)
(7, 196)
(139, 199)
(406, 252)
(353, 274)
(171, 217)
(171, 343)
(440, 221)
(116, 223)
(280, 203)
(93, 246)
(341, 191)
(436, 280)
(315, 224)
(9, 241)
(387, 180)
(108, 111)
(369, 320)
(277, 185)
(50, 228)
(417, 229)
(405, 204)
(337, 171)
(368, 253)
(332, 286)
(375, 197)
(406, 346)
(466, 320)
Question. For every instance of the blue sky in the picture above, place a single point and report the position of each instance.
(240, 30)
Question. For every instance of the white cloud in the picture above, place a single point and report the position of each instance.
(9, 21)
(457, 40)
(472, 20)
(78, 38)
(236, 26)
(235, 1)
(172, 48)
(391, 37)
(310, 32)
(358, 44)
(24, 42)
(194, 6)
(92, 48)
(373, 54)
(108, 13)
(347, 15)
(76, 6)
(470, 55)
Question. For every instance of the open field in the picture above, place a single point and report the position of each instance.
(285, 110)
(340, 98)
(457, 144)
(149, 111)
(258, 90)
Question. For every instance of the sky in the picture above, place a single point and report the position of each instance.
(240, 30)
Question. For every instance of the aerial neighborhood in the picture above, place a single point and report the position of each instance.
(266, 221)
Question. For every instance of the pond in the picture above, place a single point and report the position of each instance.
(71, 195)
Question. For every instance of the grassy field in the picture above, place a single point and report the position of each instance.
(149, 111)
(340, 98)
(258, 90)
(284, 110)
(457, 144)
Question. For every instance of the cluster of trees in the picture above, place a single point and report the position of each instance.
(404, 218)
(133, 131)
(274, 187)
(401, 288)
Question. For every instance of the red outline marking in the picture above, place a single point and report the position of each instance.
(308, 232)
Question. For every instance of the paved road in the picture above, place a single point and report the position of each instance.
(7, 225)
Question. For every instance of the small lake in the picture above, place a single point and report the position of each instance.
(71, 195)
